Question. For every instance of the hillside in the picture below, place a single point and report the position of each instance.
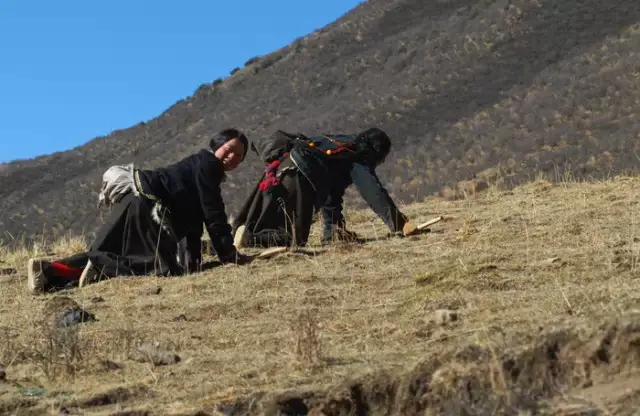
(543, 281)
(498, 89)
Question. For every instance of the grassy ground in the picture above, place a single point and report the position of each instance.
(542, 282)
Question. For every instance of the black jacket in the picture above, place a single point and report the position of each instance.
(363, 176)
(190, 189)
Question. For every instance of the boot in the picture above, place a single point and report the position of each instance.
(37, 275)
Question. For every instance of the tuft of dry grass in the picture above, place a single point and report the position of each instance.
(541, 277)
(308, 347)
(68, 245)
(14, 254)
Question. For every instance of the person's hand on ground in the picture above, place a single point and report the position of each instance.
(409, 229)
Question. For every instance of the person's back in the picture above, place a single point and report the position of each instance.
(177, 186)
(174, 181)
(324, 167)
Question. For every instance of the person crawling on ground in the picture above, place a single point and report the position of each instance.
(307, 174)
(153, 211)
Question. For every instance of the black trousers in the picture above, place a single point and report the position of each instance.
(130, 243)
(281, 218)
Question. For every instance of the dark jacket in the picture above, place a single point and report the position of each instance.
(363, 176)
(190, 189)
(333, 162)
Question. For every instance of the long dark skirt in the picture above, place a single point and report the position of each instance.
(130, 243)
(281, 218)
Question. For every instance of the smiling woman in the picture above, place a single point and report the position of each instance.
(153, 211)
(230, 152)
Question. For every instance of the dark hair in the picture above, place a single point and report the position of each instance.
(374, 145)
(226, 135)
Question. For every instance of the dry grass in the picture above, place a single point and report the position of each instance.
(513, 264)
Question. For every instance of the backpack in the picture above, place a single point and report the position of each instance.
(370, 146)
(274, 147)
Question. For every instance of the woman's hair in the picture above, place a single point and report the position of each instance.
(374, 145)
(226, 135)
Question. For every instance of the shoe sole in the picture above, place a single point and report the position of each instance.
(240, 239)
(35, 278)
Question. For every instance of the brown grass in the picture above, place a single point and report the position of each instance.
(544, 279)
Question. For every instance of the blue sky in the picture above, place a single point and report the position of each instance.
(74, 70)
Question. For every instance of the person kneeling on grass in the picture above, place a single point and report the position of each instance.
(153, 212)
(308, 174)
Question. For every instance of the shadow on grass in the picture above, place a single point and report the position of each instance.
(311, 252)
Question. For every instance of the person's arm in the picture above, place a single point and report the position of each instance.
(332, 208)
(334, 224)
(190, 251)
(209, 174)
(193, 252)
(332, 216)
(376, 196)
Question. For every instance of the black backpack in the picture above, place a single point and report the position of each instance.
(370, 146)
(274, 147)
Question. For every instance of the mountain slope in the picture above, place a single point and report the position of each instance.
(502, 89)
(545, 293)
